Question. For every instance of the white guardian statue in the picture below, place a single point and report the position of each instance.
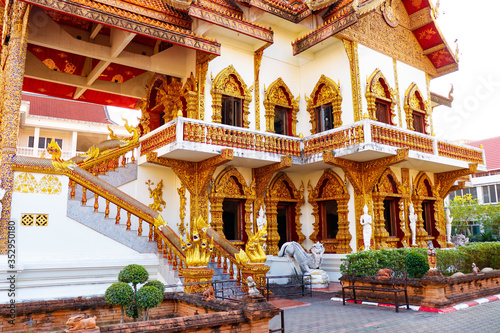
(366, 222)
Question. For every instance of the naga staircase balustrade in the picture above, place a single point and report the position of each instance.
(109, 160)
(169, 243)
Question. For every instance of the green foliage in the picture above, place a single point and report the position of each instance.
(119, 293)
(149, 297)
(449, 261)
(132, 311)
(416, 264)
(369, 262)
(466, 210)
(134, 274)
(157, 284)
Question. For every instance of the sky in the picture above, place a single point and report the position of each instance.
(475, 113)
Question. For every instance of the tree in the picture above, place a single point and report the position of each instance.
(119, 293)
(491, 220)
(132, 300)
(465, 210)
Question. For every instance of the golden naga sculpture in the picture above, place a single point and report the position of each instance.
(254, 252)
(196, 247)
(159, 221)
(157, 195)
(131, 140)
(58, 163)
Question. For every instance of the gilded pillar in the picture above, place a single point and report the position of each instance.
(395, 64)
(257, 60)
(380, 234)
(272, 227)
(13, 62)
(351, 49)
(202, 60)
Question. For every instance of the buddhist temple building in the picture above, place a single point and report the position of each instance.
(296, 113)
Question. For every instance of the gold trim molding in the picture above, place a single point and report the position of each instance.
(414, 101)
(229, 82)
(326, 91)
(278, 93)
(377, 87)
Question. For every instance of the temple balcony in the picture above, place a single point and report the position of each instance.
(193, 140)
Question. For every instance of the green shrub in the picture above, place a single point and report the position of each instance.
(119, 293)
(449, 261)
(134, 274)
(157, 284)
(132, 311)
(148, 297)
(416, 264)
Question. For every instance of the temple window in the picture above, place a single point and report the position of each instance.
(324, 106)
(230, 99)
(380, 98)
(281, 109)
(231, 111)
(415, 108)
(282, 120)
(232, 218)
(329, 219)
(42, 142)
(324, 118)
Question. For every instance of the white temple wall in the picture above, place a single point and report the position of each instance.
(139, 191)
(334, 64)
(62, 236)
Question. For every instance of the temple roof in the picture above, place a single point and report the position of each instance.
(491, 151)
(111, 46)
(64, 109)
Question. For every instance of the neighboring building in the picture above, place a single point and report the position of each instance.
(484, 186)
(75, 126)
(245, 105)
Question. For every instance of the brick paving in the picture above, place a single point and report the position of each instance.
(320, 314)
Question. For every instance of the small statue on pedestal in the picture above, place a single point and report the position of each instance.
(413, 224)
(252, 287)
(431, 256)
(366, 222)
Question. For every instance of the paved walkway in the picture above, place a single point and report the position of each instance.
(320, 315)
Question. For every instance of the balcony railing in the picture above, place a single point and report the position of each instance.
(37, 152)
(188, 130)
(363, 132)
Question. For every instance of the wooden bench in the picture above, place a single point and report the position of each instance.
(390, 284)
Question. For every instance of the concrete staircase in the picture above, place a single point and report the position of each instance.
(97, 221)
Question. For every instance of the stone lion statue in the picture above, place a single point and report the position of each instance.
(306, 262)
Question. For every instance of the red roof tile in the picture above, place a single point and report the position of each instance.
(491, 151)
(65, 109)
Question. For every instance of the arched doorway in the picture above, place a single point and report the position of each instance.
(389, 212)
(329, 200)
(425, 203)
(231, 206)
(283, 204)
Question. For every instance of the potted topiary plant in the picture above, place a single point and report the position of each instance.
(121, 294)
(130, 299)
(148, 297)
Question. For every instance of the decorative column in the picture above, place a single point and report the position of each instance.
(13, 63)
(256, 67)
(351, 49)
(379, 233)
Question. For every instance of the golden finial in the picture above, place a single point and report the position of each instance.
(481, 146)
(301, 135)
